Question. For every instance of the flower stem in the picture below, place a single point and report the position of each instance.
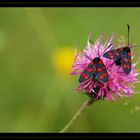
(83, 107)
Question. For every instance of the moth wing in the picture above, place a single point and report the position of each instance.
(114, 54)
(126, 62)
(101, 72)
(87, 73)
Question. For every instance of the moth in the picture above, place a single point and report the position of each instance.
(122, 56)
(96, 70)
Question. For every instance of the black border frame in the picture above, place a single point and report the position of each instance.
(68, 3)
(52, 3)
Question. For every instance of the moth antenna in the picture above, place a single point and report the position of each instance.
(128, 32)
(129, 36)
(106, 49)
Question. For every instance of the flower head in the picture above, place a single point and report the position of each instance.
(119, 83)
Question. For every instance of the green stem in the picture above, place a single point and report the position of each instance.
(83, 107)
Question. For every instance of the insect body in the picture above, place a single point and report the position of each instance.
(96, 69)
(122, 56)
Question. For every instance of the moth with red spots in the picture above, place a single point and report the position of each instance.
(96, 70)
(122, 56)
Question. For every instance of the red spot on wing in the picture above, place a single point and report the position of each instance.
(126, 60)
(89, 70)
(83, 74)
(101, 77)
(110, 53)
(128, 66)
(104, 74)
(99, 69)
(121, 49)
(124, 66)
(111, 56)
(85, 77)
(100, 62)
(129, 54)
(117, 53)
(94, 69)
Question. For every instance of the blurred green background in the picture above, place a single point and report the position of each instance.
(37, 93)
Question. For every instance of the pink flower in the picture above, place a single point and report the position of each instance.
(119, 83)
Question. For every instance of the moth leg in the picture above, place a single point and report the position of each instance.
(94, 91)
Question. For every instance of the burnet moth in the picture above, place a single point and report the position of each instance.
(96, 70)
(122, 56)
